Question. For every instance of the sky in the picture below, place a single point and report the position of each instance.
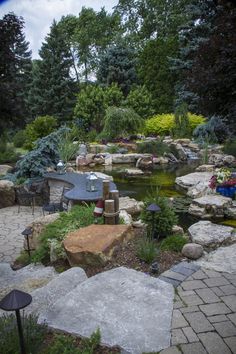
(39, 14)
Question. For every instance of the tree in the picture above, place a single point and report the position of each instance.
(140, 99)
(117, 65)
(155, 72)
(15, 64)
(53, 89)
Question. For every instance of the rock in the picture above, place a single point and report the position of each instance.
(4, 169)
(62, 284)
(82, 160)
(99, 159)
(221, 260)
(183, 141)
(108, 160)
(131, 205)
(133, 172)
(205, 168)
(128, 306)
(220, 160)
(192, 251)
(125, 217)
(171, 157)
(7, 193)
(37, 227)
(95, 244)
(194, 147)
(210, 206)
(128, 146)
(97, 148)
(144, 162)
(160, 160)
(211, 235)
(25, 279)
(199, 190)
(190, 180)
(139, 224)
(177, 230)
(231, 213)
(127, 158)
(180, 152)
(103, 176)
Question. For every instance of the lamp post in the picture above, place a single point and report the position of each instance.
(14, 301)
(60, 167)
(27, 232)
(153, 209)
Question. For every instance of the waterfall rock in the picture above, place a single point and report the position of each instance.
(210, 206)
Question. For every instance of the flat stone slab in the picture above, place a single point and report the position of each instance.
(222, 260)
(26, 279)
(190, 180)
(133, 172)
(211, 235)
(95, 244)
(58, 287)
(210, 206)
(133, 310)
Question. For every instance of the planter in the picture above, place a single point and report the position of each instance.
(226, 191)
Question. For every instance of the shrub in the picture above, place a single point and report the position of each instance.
(214, 131)
(163, 124)
(19, 138)
(155, 147)
(40, 127)
(181, 127)
(67, 148)
(173, 243)
(230, 147)
(140, 99)
(164, 220)
(9, 155)
(147, 250)
(79, 216)
(34, 334)
(121, 122)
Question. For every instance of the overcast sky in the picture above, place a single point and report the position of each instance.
(39, 14)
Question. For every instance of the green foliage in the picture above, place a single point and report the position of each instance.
(230, 147)
(173, 243)
(113, 149)
(113, 96)
(121, 122)
(147, 250)
(9, 155)
(214, 131)
(44, 155)
(19, 138)
(155, 147)
(140, 99)
(67, 345)
(164, 220)
(163, 124)
(67, 148)
(40, 127)
(182, 127)
(34, 334)
(79, 216)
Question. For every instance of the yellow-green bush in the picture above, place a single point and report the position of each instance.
(162, 124)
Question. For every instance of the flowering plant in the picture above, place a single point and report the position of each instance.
(222, 177)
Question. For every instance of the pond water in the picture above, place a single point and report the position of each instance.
(162, 177)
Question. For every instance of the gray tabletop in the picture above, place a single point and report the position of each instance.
(78, 182)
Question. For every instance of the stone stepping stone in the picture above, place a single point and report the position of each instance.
(179, 273)
(211, 235)
(133, 310)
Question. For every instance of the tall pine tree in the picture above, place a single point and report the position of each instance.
(52, 90)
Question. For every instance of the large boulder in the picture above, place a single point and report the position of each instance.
(192, 250)
(127, 158)
(97, 148)
(220, 160)
(4, 169)
(211, 235)
(192, 179)
(132, 310)
(199, 190)
(145, 162)
(37, 226)
(131, 205)
(180, 151)
(7, 193)
(133, 172)
(205, 168)
(95, 244)
(210, 206)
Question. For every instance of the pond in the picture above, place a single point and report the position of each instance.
(162, 177)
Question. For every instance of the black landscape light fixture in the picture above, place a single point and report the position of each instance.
(15, 301)
(27, 232)
(153, 209)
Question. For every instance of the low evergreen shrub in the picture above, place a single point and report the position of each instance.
(173, 243)
(19, 139)
(163, 220)
(214, 131)
(154, 147)
(230, 147)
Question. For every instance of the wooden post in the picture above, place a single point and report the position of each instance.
(115, 196)
(109, 209)
(106, 187)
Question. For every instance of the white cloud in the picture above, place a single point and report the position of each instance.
(39, 14)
